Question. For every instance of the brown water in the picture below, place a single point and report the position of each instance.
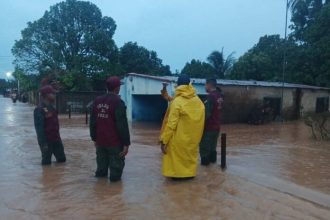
(274, 172)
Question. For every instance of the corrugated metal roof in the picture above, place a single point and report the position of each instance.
(234, 82)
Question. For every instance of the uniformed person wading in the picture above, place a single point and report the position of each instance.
(210, 137)
(47, 127)
(109, 131)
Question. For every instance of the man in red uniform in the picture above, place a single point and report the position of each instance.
(109, 131)
(47, 127)
(210, 137)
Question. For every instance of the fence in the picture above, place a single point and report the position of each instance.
(75, 102)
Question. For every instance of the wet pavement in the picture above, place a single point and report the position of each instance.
(274, 172)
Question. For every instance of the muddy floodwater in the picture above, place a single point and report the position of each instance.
(274, 171)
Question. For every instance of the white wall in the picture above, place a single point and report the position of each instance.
(309, 97)
(135, 85)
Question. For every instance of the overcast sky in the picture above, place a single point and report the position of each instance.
(178, 30)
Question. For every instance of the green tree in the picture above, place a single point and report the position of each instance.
(198, 69)
(72, 40)
(3, 86)
(304, 13)
(27, 82)
(311, 30)
(264, 61)
(252, 66)
(317, 42)
(222, 66)
(307, 50)
(137, 59)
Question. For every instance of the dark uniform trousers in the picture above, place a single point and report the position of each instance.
(108, 158)
(208, 147)
(56, 148)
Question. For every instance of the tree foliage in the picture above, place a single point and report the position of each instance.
(264, 61)
(218, 66)
(137, 59)
(221, 65)
(73, 40)
(27, 81)
(307, 50)
(311, 30)
(304, 13)
(198, 69)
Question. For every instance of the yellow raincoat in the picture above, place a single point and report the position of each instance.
(182, 132)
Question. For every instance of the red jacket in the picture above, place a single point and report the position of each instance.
(46, 124)
(108, 125)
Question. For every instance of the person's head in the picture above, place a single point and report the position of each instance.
(113, 84)
(48, 93)
(183, 80)
(210, 85)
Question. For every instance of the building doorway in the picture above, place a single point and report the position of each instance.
(322, 104)
(150, 108)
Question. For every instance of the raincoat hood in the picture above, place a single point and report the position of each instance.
(185, 91)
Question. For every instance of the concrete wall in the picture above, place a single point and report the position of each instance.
(133, 91)
(309, 97)
(142, 97)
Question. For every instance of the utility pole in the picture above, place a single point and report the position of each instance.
(284, 58)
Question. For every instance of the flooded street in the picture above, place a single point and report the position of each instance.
(274, 172)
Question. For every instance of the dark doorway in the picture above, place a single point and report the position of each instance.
(148, 108)
(322, 104)
(297, 103)
(274, 104)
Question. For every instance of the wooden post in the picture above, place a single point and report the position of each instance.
(86, 116)
(69, 111)
(223, 151)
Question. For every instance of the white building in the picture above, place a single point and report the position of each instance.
(144, 102)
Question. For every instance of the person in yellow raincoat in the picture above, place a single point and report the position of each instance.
(182, 132)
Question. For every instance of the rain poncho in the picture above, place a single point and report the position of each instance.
(182, 132)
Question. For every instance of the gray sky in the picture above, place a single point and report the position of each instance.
(178, 30)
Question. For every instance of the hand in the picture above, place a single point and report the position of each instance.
(163, 148)
(124, 152)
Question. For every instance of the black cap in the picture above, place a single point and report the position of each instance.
(183, 80)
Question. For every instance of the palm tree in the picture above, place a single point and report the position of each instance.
(221, 65)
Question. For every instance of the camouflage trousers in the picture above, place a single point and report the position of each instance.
(107, 158)
(208, 146)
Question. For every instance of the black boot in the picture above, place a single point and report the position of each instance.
(62, 160)
(115, 179)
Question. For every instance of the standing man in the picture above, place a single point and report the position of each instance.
(109, 131)
(47, 127)
(182, 132)
(210, 137)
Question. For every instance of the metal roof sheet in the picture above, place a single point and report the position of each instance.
(225, 82)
